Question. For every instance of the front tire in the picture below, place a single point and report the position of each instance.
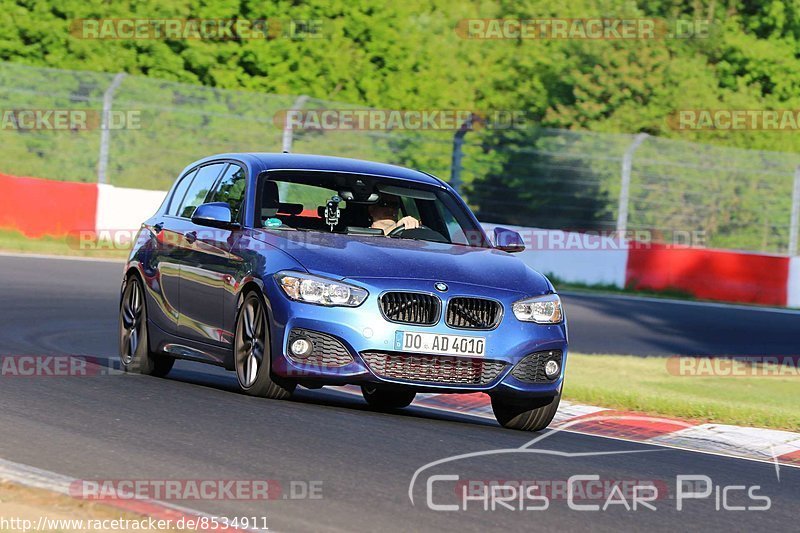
(252, 353)
(387, 399)
(532, 415)
(134, 348)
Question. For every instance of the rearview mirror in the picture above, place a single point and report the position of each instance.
(215, 214)
(508, 240)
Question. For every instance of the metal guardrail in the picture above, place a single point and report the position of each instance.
(724, 197)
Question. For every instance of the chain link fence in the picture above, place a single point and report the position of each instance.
(546, 178)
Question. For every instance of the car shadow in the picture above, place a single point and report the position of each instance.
(220, 379)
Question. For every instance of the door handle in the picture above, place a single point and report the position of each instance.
(190, 236)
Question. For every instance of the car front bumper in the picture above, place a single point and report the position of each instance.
(363, 330)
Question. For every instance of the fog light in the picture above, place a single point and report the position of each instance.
(551, 369)
(301, 347)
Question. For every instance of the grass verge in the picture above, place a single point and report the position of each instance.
(14, 241)
(644, 384)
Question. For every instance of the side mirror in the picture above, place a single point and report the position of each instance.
(508, 240)
(215, 214)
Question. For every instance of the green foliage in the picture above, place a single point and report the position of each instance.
(408, 55)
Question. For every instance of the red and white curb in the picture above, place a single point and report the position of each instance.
(779, 447)
(37, 478)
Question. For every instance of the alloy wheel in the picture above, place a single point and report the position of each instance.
(250, 342)
(132, 323)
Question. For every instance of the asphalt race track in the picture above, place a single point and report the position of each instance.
(195, 425)
(653, 326)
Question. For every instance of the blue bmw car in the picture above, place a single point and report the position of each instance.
(301, 270)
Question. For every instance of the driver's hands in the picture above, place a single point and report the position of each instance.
(406, 222)
(409, 222)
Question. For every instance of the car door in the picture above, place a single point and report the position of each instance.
(208, 274)
(162, 270)
(176, 233)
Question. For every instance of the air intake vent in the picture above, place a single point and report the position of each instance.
(433, 368)
(326, 351)
(411, 308)
(473, 313)
(531, 368)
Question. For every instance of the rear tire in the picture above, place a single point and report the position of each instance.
(532, 415)
(387, 399)
(252, 353)
(134, 346)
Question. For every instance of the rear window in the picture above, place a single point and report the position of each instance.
(201, 185)
(309, 196)
(231, 189)
(180, 193)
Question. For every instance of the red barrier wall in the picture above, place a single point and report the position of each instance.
(710, 274)
(38, 207)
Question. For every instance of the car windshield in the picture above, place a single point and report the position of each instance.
(364, 205)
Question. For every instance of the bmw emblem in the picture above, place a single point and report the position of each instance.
(441, 287)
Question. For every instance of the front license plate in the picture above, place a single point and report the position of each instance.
(409, 341)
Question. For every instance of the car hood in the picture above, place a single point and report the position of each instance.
(350, 256)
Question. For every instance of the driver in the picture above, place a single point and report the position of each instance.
(384, 215)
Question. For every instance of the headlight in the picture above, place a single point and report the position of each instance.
(318, 290)
(541, 309)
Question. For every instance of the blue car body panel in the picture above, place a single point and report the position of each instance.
(193, 288)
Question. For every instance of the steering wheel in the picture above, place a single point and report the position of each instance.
(401, 228)
(397, 231)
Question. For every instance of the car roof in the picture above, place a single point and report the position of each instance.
(260, 162)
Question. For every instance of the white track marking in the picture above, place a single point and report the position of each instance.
(63, 257)
(30, 476)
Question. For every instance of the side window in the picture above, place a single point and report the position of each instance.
(409, 207)
(199, 189)
(454, 229)
(180, 192)
(230, 189)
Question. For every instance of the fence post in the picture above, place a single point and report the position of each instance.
(458, 141)
(105, 132)
(288, 132)
(794, 225)
(625, 189)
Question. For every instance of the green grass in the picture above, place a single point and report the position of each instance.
(14, 241)
(645, 385)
